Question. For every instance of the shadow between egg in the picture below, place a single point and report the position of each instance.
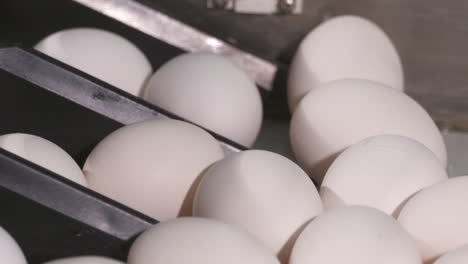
(285, 252)
(187, 206)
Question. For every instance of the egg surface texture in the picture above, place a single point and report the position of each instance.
(210, 91)
(43, 153)
(437, 217)
(85, 260)
(458, 256)
(152, 166)
(102, 54)
(11, 252)
(344, 47)
(341, 113)
(198, 241)
(380, 172)
(354, 235)
(261, 192)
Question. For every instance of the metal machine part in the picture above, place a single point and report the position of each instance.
(222, 4)
(289, 6)
(265, 7)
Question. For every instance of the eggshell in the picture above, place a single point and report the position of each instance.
(152, 166)
(10, 251)
(102, 54)
(344, 47)
(354, 235)
(43, 153)
(437, 217)
(380, 172)
(458, 256)
(85, 260)
(341, 113)
(198, 241)
(261, 192)
(210, 91)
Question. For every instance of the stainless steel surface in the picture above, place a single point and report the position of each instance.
(183, 36)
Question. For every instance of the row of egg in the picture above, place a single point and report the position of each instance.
(370, 144)
(346, 84)
(148, 167)
(204, 88)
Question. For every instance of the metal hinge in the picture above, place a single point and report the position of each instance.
(258, 6)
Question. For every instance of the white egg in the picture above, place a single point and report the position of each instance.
(10, 251)
(458, 256)
(85, 260)
(344, 47)
(152, 166)
(210, 91)
(437, 217)
(341, 113)
(198, 241)
(380, 172)
(102, 54)
(354, 235)
(261, 192)
(43, 153)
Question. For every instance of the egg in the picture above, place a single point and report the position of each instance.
(437, 217)
(381, 172)
(458, 256)
(102, 54)
(354, 234)
(198, 241)
(152, 166)
(11, 252)
(341, 113)
(343, 47)
(43, 153)
(261, 192)
(85, 260)
(210, 91)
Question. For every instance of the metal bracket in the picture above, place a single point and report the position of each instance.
(221, 4)
(259, 7)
